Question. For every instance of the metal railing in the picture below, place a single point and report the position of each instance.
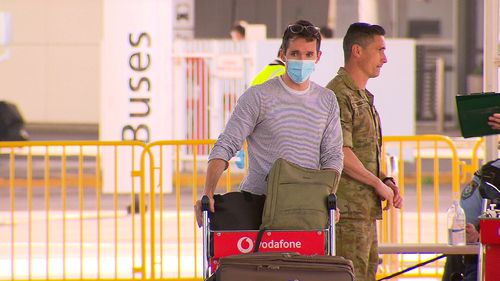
(95, 210)
(55, 221)
(428, 189)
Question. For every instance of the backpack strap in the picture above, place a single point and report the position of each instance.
(258, 240)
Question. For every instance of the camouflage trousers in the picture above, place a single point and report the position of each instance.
(356, 240)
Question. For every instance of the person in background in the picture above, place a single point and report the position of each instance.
(273, 69)
(326, 32)
(363, 185)
(237, 31)
(271, 117)
(484, 184)
(464, 267)
(494, 121)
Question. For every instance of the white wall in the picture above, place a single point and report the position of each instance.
(53, 70)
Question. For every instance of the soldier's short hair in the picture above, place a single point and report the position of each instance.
(362, 34)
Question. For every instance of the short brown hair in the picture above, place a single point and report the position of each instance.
(301, 29)
(362, 34)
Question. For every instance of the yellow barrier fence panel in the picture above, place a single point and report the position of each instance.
(428, 177)
(427, 173)
(61, 220)
(56, 223)
(175, 246)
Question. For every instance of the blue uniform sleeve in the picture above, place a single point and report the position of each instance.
(471, 201)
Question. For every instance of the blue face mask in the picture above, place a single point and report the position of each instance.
(299, 70)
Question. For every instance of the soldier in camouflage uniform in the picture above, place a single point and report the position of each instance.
(363, 185)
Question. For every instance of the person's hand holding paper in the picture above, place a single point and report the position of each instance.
(494, 121)
(479, 114)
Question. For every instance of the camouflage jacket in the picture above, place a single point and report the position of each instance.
(362, 133)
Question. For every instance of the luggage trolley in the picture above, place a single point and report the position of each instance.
(218, 244)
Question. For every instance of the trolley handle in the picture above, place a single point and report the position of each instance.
(205, 203)
(205, 207)
(332, 202)
(332, 210)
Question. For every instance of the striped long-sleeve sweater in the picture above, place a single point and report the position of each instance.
(302, 127)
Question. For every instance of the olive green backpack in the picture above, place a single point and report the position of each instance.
(297, 197)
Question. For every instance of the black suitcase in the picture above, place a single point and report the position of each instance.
(12, 127)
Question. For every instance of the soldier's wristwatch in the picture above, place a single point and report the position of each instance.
(389, 178)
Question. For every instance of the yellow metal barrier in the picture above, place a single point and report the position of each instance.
(56, 223)
(468, 169)
(424, 162)
(428, 156)
(475, 157)
(59, 223)
(175, 247)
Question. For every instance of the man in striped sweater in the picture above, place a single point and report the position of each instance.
(286, 117)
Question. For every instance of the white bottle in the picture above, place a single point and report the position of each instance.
(456, 224)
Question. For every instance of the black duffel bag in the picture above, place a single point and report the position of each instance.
(237, 210)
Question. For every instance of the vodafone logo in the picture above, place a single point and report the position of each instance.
(281, 244)
(245, 245)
